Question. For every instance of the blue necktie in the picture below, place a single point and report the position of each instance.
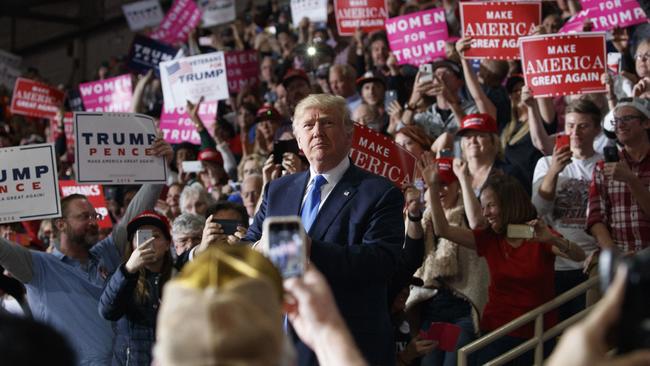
(310, 208)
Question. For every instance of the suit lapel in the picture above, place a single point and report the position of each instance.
(338, 198)
(295, 193)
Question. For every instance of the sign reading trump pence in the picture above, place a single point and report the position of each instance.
(495, 26)
(29, 188)
(563, 64)
(369, 15)
(191, 78)
(380, 155)
(418, 38)
(115, 148)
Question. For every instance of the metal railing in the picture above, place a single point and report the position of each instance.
(537, 315)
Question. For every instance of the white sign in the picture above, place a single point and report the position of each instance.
(29, 186)
(191, 78)
(10, 59)
(314, 10)
(115, 148)
(216, 12)
(143, 14)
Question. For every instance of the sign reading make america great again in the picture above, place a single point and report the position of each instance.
(34, 99)
(369, 15)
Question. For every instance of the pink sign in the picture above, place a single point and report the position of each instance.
(179, 21)
(242, 68)
(108, 95)
(606, 15)
(177, 126)
(418, 38)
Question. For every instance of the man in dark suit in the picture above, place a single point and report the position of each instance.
(353, 219)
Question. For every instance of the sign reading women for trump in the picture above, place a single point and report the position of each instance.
(380, 155)
(314, 10)
(606, 15)
(179, 21)
(34, 99)
(243, 67)
(29, 188)
(191, 78)
(115, 148)
(369, 15)
(418, 38)
(563, 64)
(495, 26)
(177, 126)
(142, 14)
(147, 53)
(108, 95)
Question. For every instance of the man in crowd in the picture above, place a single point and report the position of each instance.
(342, 81)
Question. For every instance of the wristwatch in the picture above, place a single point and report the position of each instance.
(407, 106)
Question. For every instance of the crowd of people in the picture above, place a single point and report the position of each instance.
(498, 220)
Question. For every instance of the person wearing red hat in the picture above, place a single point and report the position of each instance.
(133, 292)
(268, 121)
(213, 177)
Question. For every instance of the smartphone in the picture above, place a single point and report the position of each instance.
(426, 73)
(286, 244)
(614, 62)
(142, 235)
(205, 41)
(229, 226)
(447, 153)
(283, 146)
(611, 154)
(517, 231)
(193, 166)
(562, 141)
(389, 97)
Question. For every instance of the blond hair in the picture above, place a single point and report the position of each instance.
(327, 102)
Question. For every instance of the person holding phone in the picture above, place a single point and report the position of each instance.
(132, 294)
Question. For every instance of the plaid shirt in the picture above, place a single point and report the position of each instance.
(611, 202)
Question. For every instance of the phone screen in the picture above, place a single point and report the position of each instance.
(611, 154)
(229, 226)
(287, 248)
(282, 146)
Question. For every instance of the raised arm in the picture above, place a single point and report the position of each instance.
(138, 91)
(475, 217)
(483, 103)
(541, 140)
(16, 259)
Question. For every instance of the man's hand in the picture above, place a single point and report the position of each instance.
(161, 148)
(619, 171)
(463, 45)
(212, 235)
(193, 112)
(560, 159)
(429, 169)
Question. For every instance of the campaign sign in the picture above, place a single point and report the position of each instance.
(242, 69)
(95, 195)
(216, 12)
(380, 155)
(606, 15)
(495, 27)
(68, 129)
(10, 59)
(9, 69)
(563, 64)
(179, 21)
(418, 38)
(314, 10)
(147, 53)
(191, 78)
(143, 14)
(369, 15)
(108, 95)
(29, 188)
(115, 148)
(34, 99)
(74, 100)
(177, 126)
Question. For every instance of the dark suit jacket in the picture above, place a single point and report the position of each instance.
(356, 241)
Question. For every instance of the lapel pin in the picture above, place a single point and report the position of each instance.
(346, 193)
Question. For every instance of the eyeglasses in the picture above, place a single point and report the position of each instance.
(642, 57)
(88, 216)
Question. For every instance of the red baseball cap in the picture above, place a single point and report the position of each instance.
(267, 113)
(211, 154)
(481, 122)
(446, 170)
(148, 218)
(292, 74)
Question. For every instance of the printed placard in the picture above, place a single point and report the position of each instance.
(95, 195)
(216, 12)
(9, 69)
(179, 21)
(34, 99)
(418, 38)
(606, 15)
(147, 53)
(9, 59)
(563, 64)
(242, 69)
(115, 148)
(380, 155)
(177, 126)
(314, 10)
(369, 15)
(29, 188)
(143, 14)
(74, 100)
(68, 130)
(496, 26)
(191, 78)
(108, 95)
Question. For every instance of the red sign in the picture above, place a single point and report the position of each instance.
(369, 15)
(564, 64)
(242, 68)
(495, 27)
(380, 155)
(68, 130)
(35, 99)
(95, 195)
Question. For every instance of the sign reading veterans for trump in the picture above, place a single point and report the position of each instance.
(369, 15)
(34, 99)
(115, 148)
(108, 95)
(143, 14)
(147, 53)
(191, 78)
(95, 195)
(380, 155)
(563, 64)
(216, 12)
(29, 188)
(314, 10)
(418, 38)
(242, 67)
(606, 15)
(495, 26)
(177, 126)
(179, 21)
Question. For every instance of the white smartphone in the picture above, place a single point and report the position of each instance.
(142, 235)
(426, 73)
(193, 166)
(520, 231)
(286, 244)
(614, 62)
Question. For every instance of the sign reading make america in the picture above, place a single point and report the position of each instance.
(147, 53)
(115, 148)
(108, 95)
(418, 38)
(369, 15)
(29, 188)
(34, 99)
(191, 78)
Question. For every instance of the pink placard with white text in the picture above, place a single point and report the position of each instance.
(242, 68)
(108, 95)
(606, 15)
(182, 17)
(177, 126)
(418, 38)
